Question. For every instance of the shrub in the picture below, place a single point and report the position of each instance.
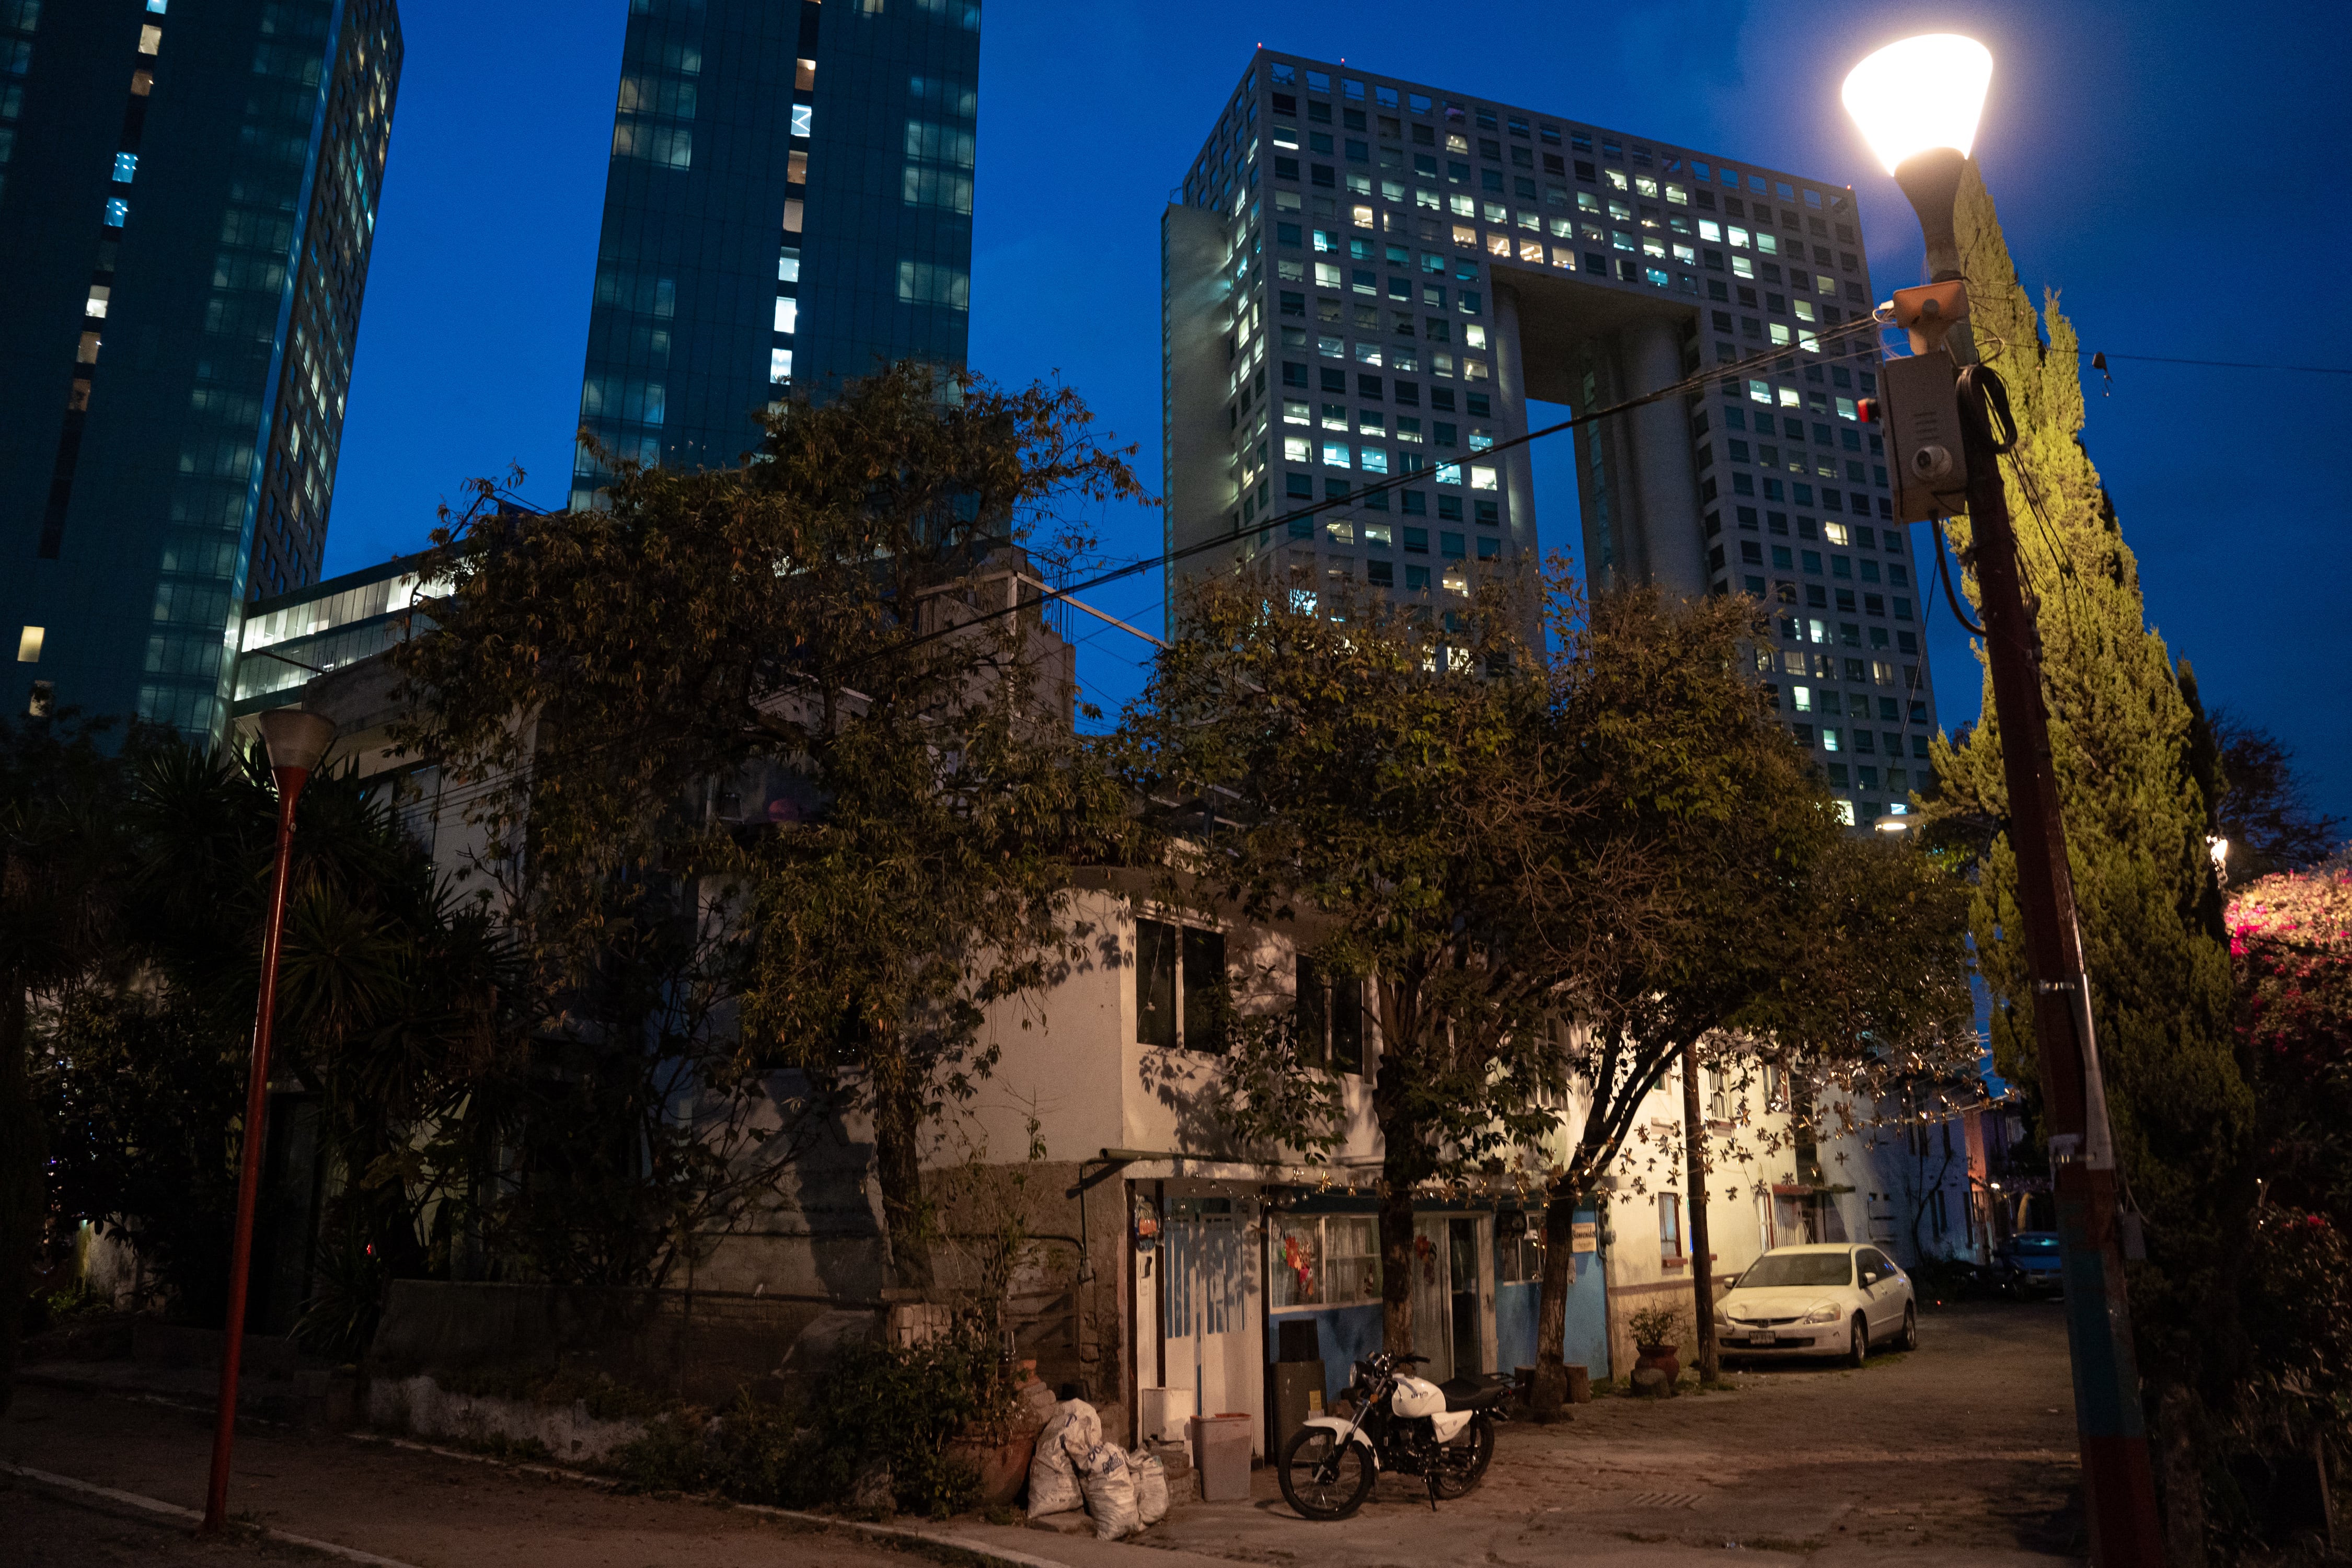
(874, 1404)
(1656, 1325)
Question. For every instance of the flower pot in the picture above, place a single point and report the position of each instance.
(1662, 1358)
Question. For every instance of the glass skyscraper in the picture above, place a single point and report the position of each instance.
(1369, 279)
(187, 199)
(789, 201)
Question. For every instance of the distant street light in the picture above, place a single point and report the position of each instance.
(1892, 822)
(1917, 103)
(296, 742)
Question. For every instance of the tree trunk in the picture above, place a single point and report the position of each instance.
(898, 1165)
(1549, 1396)
(1397, 1258)
(1702, 1266)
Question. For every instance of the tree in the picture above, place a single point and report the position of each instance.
(1399, 791)
(61, 893)
(1779, 937)
(2130, 755)
(2265, 814)
(773, 709)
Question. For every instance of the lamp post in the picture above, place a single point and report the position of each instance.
(1917, 103)
(296, 742)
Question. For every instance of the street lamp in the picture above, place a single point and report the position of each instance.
(1892, 822)
(296, 742)
(1917, 103)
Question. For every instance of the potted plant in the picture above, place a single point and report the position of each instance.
(1658, 1334)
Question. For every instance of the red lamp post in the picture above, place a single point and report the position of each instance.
(296, 742)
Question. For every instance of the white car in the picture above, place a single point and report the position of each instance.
(1836, 1299)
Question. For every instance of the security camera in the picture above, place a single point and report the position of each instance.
(1931, 465)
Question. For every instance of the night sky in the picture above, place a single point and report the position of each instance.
(2171, 168)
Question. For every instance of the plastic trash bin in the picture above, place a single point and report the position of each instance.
(1220, 1452)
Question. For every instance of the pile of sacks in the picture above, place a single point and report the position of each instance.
(1073, 1467)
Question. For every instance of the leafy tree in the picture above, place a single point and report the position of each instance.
(61, 858)
(756, 738)
(2132, 762)
(144, 1102)
(1778, 937)
(2266, 813)
(1399, 791)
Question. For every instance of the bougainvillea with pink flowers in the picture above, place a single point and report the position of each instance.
(2290, 947)
(2291, 956)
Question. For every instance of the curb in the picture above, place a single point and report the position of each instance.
(173, 1511)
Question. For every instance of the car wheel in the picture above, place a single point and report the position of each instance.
(1858, 1346)
(1910, 1340)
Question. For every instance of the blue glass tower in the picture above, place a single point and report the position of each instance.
(789, 201)
(187, 198)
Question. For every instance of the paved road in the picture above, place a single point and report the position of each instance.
(1962, 1453)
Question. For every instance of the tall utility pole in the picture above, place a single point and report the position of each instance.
(1917, 103)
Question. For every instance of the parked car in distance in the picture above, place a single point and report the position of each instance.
(1831, 1298)
(2028, 1264)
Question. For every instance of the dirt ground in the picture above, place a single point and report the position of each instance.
(1962, 1452)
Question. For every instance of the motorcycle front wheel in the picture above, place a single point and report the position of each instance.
(1462, 1464)
(1322, 1477)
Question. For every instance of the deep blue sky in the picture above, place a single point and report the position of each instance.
(2170, 166)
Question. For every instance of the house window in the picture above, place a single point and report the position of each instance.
(1670, 1225)
(1173, 963)
(1322, 1261)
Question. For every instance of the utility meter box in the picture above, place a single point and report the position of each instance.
(1922, 399)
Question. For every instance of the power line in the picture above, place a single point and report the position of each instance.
(2216, 364)
(1696, 382)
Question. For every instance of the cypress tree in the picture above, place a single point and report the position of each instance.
(2133, 757)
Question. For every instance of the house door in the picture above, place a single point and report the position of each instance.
(1207, 1284)
(1462, 1253)
(1433, 1296)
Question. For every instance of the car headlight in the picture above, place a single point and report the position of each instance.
(1827, 1313)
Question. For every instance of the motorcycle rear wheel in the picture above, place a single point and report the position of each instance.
(1462, 1464)
(1322, 1478)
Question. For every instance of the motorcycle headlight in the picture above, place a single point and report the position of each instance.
(1827, 1313)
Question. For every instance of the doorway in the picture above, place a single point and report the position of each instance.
(1450, 1287)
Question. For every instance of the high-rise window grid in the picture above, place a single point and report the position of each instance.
(1361, 213)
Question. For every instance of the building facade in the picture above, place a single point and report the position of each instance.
(789, 203)
(1368, 281)
(187, 202)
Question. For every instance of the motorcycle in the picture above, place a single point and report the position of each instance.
(1398, 1423)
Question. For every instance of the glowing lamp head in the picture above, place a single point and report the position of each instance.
(1919, 95)
(1893, 822)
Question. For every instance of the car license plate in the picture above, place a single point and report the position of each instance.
(1761, 1336)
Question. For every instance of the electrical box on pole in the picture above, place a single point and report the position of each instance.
(1922, 404)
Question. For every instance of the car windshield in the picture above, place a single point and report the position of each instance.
(1782, 1269)
(2037, 1244)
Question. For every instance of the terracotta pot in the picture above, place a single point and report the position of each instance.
(1661, 1357)
(1003, 1464)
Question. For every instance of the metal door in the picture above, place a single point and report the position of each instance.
(1207, 1286)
